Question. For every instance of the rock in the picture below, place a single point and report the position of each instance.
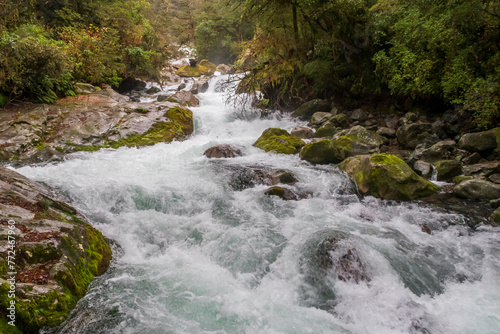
(495, 178)
(341, 120)
(478, 142)
(447, 169)
(163, 98)
(387, 177)
(321, 152)
(185, 98)
(81, 88)
(282, 176)
(192, 62)
(482, 169)
(471, 159)
(326, 130)
(477, 189)
(129, 84)
(423, 168)
(362, 135)
(359, 115)
(411, 134)
(443, 150)
(410, 117)
(224, 69)
(386, 132)
(495, 203)
(153, 90)
(241, 178)
(203, 68)
(306, 110)
(223, 151)
(283, 193)
(320, 117)
(279, 141)
(181, 86)
(200, 86)
(58, 253)
(495, 218)
(207, 68)
(302, 132)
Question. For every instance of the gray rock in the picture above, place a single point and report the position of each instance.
(495, 178)
(302, 132)
(341, 120)
(359, 115)
(423, 168)
(482, 169)
(443, 150)
(153, 90)
(305, 111)
(477, 189)
(411, 134)
(84, 88)
(447, 169)
(386, 132)
(320, 117)
(223, 151)
(478, 141)
(471, 159)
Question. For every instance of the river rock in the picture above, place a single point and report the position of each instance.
(477, 189)
(200, 86)
(478, 142)
(81, 88)
(279, 141)
(447, 169)
(130, 84)
(185, 98)
(58, 253)
(359, 115)
(484, 169)
(423, 168)
(223, 151)
(241, 178)
(321, 152)
(387, 177)
(224, 69)
(302, 132)
(409, 135)
(306, 110)
(471, 159)
(320, 117)
(386, 132)
(203, 68)
(341, 120)
(281, 192)
(361, 135)
(328, 129)
(153, 90)
(443, 150)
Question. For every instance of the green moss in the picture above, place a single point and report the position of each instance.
(387, 159)
(59, 149)
(276, 191)
(39, 253)
(279, 141)
(183, 117)
(326, 130)
(141, 110)
(321, 152)
(189, 71)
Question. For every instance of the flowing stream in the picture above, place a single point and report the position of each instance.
(195, 254)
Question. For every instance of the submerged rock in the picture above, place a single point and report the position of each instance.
(283, 193)
(279, 141)
(58, 253)
(223, 151)
(241, 177)
(387, 177)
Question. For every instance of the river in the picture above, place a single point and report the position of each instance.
(194, 254)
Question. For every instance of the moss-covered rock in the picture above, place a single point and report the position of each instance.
(279, 141)
(447, 169)
(387, 176)
(328, 129)
(204, 67)
(283, 193)
(341, 120)
(321, 152)
(305, 111)
(207, 68)
(58, 254)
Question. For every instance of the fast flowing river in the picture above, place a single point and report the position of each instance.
(194, 254)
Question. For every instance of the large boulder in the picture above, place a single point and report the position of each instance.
(204, 67)
(477, 189)
(478, 141)
(361, 135)
(279, 141)
(305, 111)
(57, 254)
(443, 150)
(386, 176)
(328, 129)
(130, 84)
(302, 132)
(321, 152)
(185, 98)
(447, 169)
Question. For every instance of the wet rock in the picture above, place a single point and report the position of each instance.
(241, 178)
(200, 86)
(163, 98)
(210, 67)
(279, 141)
(185, 98)
(306, 110)
(181, 86)
(283, 193)
(423, 168)
(327, 130)
(477, 189)
(302, 132)
(153, 90)
(478, 142)
(223, 151)
(320, 117)
(447, 169)
(386, 176)
(495, 218)
(58, 252)
(321, 152)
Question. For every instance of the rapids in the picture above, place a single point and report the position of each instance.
(194, 255)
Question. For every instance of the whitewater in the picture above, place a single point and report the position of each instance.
(192, 254)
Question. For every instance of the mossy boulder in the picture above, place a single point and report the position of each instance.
(341, 120)
(447, 169)
(279, 141)
(328, 129)
(204, 67)
(321, 152)
(58, 253)
(364, 136)
(386, 176)
(283, 193)
(305, 111)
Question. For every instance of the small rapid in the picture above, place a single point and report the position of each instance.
(192, 254)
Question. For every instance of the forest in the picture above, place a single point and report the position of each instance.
(385, 53)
